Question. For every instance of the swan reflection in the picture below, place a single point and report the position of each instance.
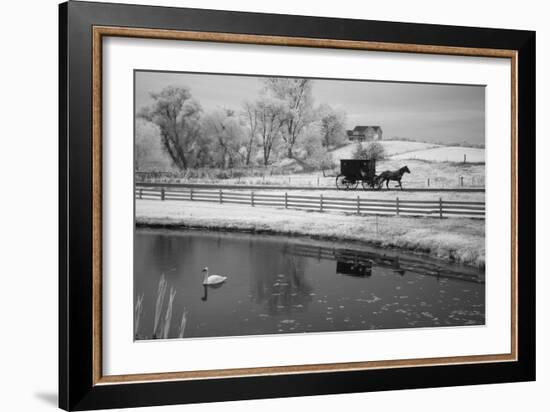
(206, 287)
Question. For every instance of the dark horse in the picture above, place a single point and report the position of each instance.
(388, 175)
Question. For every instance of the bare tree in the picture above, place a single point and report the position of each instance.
(270, 122)
(298, 106)
(177, 115)
(251, 116)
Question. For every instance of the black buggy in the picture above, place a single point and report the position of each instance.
(353, 171)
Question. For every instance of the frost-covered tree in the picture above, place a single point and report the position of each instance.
(149, 154)
(312, 152)
(177, 116)
(372, 151)
(226, 136)
(297, 108)
(333, 125)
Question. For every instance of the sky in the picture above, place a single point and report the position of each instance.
(426, 112)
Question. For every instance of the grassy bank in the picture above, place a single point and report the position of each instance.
(454, 239)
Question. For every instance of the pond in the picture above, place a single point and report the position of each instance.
(279, 284)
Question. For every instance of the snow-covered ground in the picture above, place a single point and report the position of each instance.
(366, 195)
(391, 147)
(442, 165)
(445, 154)
(441, 175)
(385, 194)
(457, 239)
(430, 164)
(402, 149)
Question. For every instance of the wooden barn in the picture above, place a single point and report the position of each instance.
(365, 133)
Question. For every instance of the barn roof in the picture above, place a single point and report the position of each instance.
(363, 129)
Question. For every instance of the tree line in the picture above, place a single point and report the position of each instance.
(283, 121)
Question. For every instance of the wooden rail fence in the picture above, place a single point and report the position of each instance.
(436, 208)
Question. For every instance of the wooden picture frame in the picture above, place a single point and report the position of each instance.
(82, 27)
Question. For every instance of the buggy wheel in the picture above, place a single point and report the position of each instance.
(375, 184)
(343, 183)
(366, 185)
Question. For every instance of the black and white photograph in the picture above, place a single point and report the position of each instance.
(262, 206)
(285, 205)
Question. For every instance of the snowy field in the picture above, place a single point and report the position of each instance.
(443, 165)
(391, 147)
(402, 150)
(440, 175)
(454, 239)
(431, 165)
(445, 154)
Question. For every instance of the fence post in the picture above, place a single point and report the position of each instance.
(191, 194)
(317, 180)
(397, 205)
(286, 200)
(461, 181)
(440, 208)
(221, 196)
(428, 182)
(140, 193)
(252, 199)
(321, 202)
(358, 205)
(162, 193)
(464, 157)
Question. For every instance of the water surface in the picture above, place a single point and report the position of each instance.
(282, 284)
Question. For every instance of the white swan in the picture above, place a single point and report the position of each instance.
(212, 279)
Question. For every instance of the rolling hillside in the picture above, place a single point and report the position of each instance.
(405, 150)
(445, 154)
(392, 147)
(430, 164)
